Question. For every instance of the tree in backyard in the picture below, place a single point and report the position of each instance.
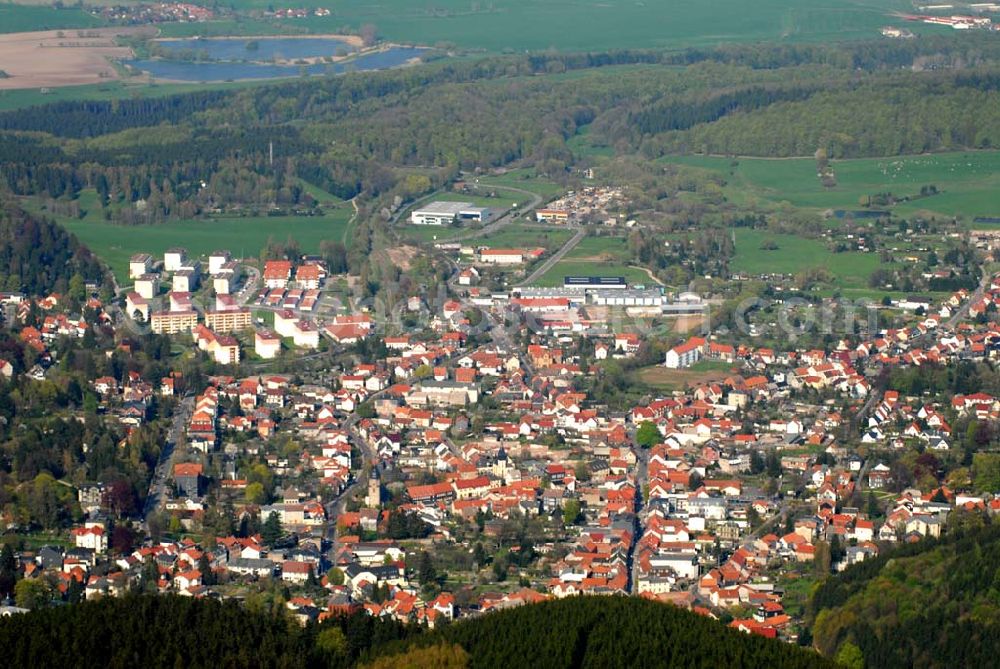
(648, 434)
(32, 593)
(8, 571)
(426, 573)
(571, 512)
(271, 531)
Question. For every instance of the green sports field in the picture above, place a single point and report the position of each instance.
(968, 182)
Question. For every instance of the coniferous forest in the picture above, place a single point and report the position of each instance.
(165, 631)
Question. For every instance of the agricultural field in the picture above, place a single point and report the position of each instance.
(62, 58)
(518, 25)
(570, 25)
(22, 18)
(244, 237)
(968, 182)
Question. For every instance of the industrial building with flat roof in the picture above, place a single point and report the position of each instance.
(446, 213)
(617, 282)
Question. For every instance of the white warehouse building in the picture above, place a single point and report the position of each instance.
(446, 213)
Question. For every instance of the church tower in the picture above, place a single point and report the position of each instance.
(374, 497)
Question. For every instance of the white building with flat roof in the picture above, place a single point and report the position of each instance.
(148, 285)
(174, 259)
(217, 260)
(139, 264)
(446, 213)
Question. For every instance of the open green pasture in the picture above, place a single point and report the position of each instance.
(797, 254)
(968, 182)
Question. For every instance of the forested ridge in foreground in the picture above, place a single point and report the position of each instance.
(163, 631)
(932, 604)
(38, 256)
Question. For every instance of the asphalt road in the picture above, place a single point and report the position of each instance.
(158, 484)
(555, 257)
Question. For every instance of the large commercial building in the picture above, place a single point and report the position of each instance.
(446, 213)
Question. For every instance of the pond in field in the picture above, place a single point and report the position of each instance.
(178, 70)
(250, 48)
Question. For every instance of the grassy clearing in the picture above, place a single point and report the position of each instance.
(319, 194)
(583, 146)
(431, 233)
(969, 182)
(522, 236)
(663, 378)
(503, 201)
(797, 254)
(524, 179)
(244, 237)
(607, 249)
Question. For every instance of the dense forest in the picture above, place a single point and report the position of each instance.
(931, 604)
(153, 631)
(615, 631)
(38, 257)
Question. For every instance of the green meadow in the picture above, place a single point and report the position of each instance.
(244, 237)
(523, 179)
(968, 181)
(796, 254)
(525, 236)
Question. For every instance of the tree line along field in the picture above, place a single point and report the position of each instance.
(519, 25)
(111, 90)
(968, 182)
(244, 237)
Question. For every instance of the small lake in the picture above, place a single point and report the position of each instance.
(282, 48)
(215, 71)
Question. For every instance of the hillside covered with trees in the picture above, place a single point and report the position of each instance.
(38, 257)
(931, 604)
(153, 631)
